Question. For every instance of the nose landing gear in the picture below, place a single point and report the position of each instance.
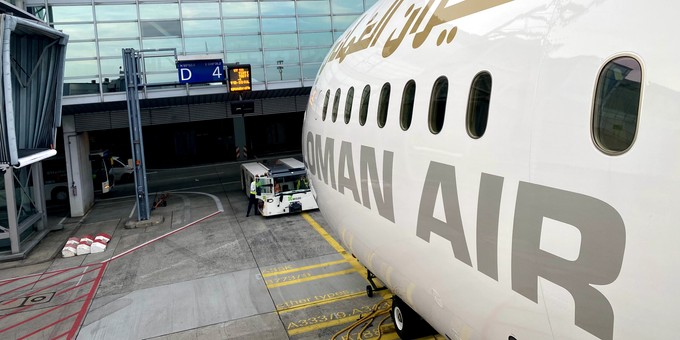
(372, 287)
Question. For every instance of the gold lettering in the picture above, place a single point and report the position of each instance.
(385, 20)
(349, 40)
(422, 16)
(445, 14)
(392, 44)
(364, 39)
(371, 31)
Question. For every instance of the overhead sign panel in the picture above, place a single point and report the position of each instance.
(239, 78)
(200, 71)
(242, 107)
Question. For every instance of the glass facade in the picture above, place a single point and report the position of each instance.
(283, 40)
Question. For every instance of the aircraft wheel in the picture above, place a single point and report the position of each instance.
(407, 323)
(403, 316)
(369, 291)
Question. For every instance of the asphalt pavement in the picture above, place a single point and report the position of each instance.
(199, 269)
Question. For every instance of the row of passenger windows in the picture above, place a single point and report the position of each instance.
(477, 111)
(614, 119)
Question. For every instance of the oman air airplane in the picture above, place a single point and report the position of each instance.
(509, 169)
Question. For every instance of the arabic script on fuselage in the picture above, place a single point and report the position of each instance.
(419, 22)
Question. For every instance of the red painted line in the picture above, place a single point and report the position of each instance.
(55, 284)
(9, 301)
(41, 314)
(74, 287)
(86, 305)
(16, 311)
(8, 281)
(161, 237)
(30, 283)
(13, 279)
(60, 335)
(48, 326)
(38, 274)
(88, 296)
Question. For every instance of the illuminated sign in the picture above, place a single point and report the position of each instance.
(239, 78)
(200, 71)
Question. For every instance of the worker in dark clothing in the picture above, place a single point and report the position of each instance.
(252, 202)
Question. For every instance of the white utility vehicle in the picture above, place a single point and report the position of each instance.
(282, 188)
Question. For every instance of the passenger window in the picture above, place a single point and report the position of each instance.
(383, 104)
(336, 103)
(438, 104)
(363, 109)
(407, 105)
(478, 105)
(348, 104)
(325, 105)
(617, 105)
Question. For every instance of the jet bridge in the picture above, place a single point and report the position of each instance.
(32, 60)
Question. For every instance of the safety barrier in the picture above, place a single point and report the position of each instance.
(85, 245)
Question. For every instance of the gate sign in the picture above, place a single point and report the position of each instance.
(200, 71)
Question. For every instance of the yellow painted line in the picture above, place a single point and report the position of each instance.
(436, 337)
(334, 243)
(325, 235)
(388, 336)
(314, 266)
(310, 278)
(353, 261)
(322, 325)
(320, 302)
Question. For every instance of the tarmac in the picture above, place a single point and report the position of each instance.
(200, 270)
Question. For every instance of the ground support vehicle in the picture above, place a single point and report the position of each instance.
(282, 187)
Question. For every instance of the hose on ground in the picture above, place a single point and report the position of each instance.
(379, 309)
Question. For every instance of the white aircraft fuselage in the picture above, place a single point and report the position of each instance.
(557, 219)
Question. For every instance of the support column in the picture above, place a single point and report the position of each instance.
(12, 210)
(39, 194)
(78, 168)
(240, 137)
(132, 85)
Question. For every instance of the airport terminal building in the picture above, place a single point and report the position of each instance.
(284, 41)
(184, 124)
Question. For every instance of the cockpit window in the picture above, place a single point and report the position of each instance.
(617, 105)
(363, 109)
(383, 104)
(348, 104)
(407, 105)
(440, 91)
(336, 103)
(478, 105)
(325, 105)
